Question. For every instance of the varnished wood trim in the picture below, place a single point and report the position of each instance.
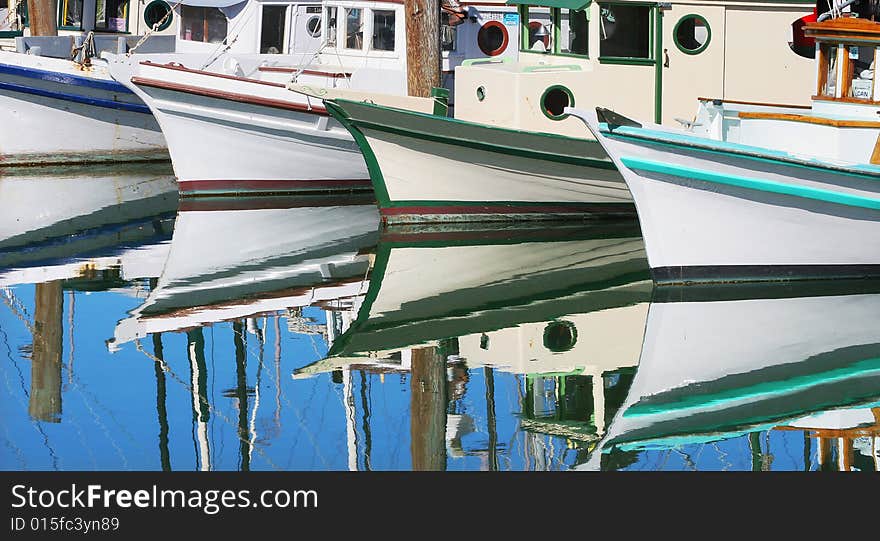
(762, 104)
(875, 156)
(846, 100)
(180, 67)
(232, 96)
(813, 120)
(279, 69)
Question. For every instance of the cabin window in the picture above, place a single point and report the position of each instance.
(207, 25)
(383, 30)
(560, 336)
(828, 71)
(624, 31)
(448, 32)
(272, 29)
(492, 38)
(158, 12)
(313, 26)
(691, 34)
(861, 83)
(111, 15)
(573, 31)
(554, 100)
(70, 14)
(332, 28)
(354, 29)
(536, 35)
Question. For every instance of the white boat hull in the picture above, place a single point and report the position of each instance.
(734, 214)
(430, 168)
(51, 111)
(230, 135)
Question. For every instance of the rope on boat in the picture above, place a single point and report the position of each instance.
(154, 28)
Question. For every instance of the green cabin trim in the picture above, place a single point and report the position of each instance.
(702, 47)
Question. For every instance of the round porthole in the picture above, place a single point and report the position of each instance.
(155, 12)
(481, 93)
(692, 34)
(492, 38)
(554, 100)
(313, 26)
(560, 336)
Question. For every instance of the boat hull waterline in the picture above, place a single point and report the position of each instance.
(430, 168)
(714, 211)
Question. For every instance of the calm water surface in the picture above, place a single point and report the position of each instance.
(139, 332)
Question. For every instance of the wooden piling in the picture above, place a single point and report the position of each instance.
(45, 396)
(428, 410)
(42, 17)
(422, 46)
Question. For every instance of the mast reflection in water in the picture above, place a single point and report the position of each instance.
(301, 335)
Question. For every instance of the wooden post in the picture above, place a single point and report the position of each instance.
(490, 418)
(161, 409)
(422, 46)
(238, 331)
(45, 398)
(42, 17)
(428, 410)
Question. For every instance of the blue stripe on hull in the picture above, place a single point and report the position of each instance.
(96, 102)
(64, 78)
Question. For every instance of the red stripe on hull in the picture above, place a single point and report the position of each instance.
(256, 187)
(288, 201)
(231, 96)
(561, 208)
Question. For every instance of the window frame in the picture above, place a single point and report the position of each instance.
(60, 14)
(556, 27)
(127, 19)
(702, 47)
(844, 66)
(288, 16)
(650, 60)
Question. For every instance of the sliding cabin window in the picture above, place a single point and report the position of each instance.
(558, 31)
(272, 29)
(573, 31)
(383, 30)
(846, 72)
(625, 31)
(16, 20)
(861, 72)
(330, 14)
(70, 14)
(537, 33)
(111, 15)
(354, 28)
(207, 25)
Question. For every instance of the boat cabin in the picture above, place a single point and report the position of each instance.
(651, 59)
(253, 26)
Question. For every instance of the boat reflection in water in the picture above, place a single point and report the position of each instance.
(75, 230)
(736, 366)
(450, 306)
(59, 223)
(428, 347)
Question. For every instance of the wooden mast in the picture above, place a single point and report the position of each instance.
(45, 396)
(422, 46)
(41, 17)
